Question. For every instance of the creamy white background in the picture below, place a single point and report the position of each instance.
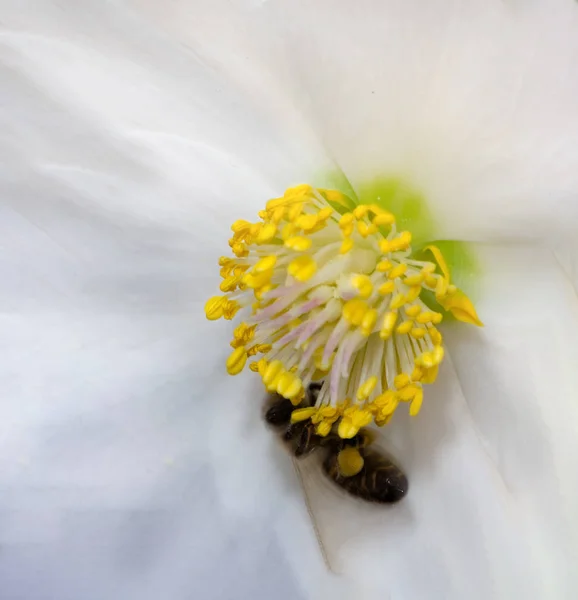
(132, 134)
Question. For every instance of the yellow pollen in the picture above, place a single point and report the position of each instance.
(414, 279)
(402, 380)
(302, 414)
(415, 405)
(265, 264)
(272, 371)
(368, 322)
(240, 250)
(366, 389)
(350, 462)
(388, 325)
(306, 222)
(383, 266)
(413, 293)
(383, 219)
(346, 224)
(302, 268)
(214, 307)
(386, 288)
(436, 337)
(288, 231)
(363, 285)
(387, 402)
(441, 287)
(267, 233)
(354, 311)
(295, 211)
(236, 361)
(288, 385)
(256, 280)
(397, 301)
(360, 211)
(346, 246)
(413, 310)
(298, 243)
(397, 271)
(324, 428)
(240, 225)
(405, 327)
(418, 333)
(365, 230)
(230, 309)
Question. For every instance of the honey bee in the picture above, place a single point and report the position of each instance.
(378, 480)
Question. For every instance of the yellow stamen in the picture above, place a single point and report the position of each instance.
(273, 370)
(461, 307)
(214, 307)
(298, 243)
(387, 402)
(397, 301)
(402, 380)
(413, 311)
(360, 211)
(350, 297)
(383, 219)
(306, 222)
(267, 233)
(236, 361)
(397, 271)
(354, 311)
(415, 405)
(388, 324)
(323, 428)
(418, 333)
(346, 246)
(265, 264)
(366, 388)
(404, 328)
(386, 288)
(302, 414)
(383, 266)
(302, 268)
(363, 285)
(368, 322)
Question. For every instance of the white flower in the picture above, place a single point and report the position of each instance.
(134, 134)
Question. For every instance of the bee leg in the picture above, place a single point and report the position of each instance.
(293, 431)
(307, 441)
(313, 391)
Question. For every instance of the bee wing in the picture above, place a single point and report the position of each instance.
(336, 517)
(340, 519)
(304, 474)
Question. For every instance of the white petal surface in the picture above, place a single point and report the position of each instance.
(131, 138)
(130, 466)
(473, 102)
(492, 458)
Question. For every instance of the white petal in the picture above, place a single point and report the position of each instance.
(98, 92)
(567, 255)
(131, 466)
(492, 458)
(116, 134)
(474, 103)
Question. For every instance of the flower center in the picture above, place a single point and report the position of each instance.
(333, 294)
